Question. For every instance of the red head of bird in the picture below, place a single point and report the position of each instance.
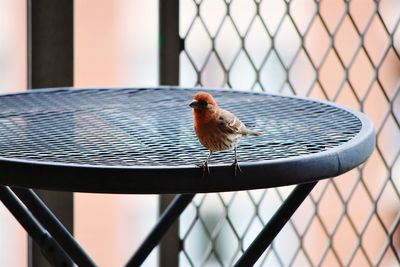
(203, 106)
(202, 101)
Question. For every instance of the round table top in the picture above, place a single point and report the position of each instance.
(141, 140)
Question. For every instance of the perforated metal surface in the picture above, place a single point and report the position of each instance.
(153, 127)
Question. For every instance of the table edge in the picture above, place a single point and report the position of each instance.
(329, 163)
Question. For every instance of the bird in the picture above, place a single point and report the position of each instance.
(217, 129)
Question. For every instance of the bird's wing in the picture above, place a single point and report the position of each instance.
(229, 123)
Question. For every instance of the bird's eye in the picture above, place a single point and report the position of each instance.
(204, 103)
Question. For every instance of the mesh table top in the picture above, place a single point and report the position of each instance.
(142, 141)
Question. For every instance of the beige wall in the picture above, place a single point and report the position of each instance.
(115, 45)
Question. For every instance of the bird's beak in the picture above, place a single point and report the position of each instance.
(194, 104)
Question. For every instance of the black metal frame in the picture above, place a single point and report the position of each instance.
(50, 248)
(50, 63)
(170, 48)
(293, 170)
(257, 247)
(150, 179)
(184, 179)
(50, 222)
(61, 249)
(275, 225)
(167, 218)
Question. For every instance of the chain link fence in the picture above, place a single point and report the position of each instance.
(342, 51)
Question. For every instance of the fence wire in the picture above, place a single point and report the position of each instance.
(342, 51)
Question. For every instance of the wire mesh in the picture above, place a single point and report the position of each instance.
(342, 51)
(142, 127)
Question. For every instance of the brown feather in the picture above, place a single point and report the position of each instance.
(216, 128)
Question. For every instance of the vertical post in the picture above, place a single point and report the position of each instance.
(170, 48)
(50, 64)
(169, 41)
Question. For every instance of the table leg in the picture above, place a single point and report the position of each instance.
(54, 226)
(50, 248)
(167, 218)
(275, 225)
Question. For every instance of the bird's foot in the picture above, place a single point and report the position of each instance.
(205, 168)
(236, 167)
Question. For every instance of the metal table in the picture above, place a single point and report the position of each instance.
(141, 141)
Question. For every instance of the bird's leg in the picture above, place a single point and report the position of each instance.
(235, 162)
(205, 164)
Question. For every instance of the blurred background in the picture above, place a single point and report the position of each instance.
(342, 51)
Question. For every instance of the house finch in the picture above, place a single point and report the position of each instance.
(217, 129)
